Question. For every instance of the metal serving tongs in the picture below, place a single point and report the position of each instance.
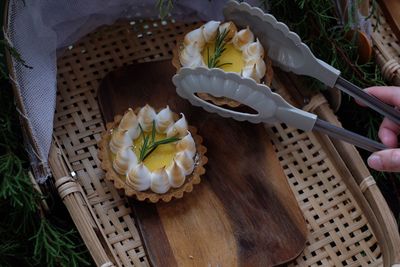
(270, 107)
(287, 52)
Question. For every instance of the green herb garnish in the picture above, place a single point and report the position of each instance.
(149, 143)
(220, 43)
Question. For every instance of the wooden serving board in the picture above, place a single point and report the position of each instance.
(241, 214)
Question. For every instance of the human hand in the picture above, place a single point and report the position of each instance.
(388, 159)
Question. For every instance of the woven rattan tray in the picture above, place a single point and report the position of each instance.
(349, 223)
(386, 47)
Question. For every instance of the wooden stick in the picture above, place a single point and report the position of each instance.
(73, 197)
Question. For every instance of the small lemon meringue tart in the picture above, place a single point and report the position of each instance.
(152, 155)
(222, 45)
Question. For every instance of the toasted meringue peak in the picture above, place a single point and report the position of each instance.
(210, 30)
(164, 119)
(130, 122)
(119, 140)
(191, 56)
(255, 69)
(195, 37)
(185, 161)
(243, 38)
(178, 128)
(253, 51)
(159, 181)
(124, 160)
(139, 177)
(176, 175)
(230, 28)
(146, 117)
(187, 144)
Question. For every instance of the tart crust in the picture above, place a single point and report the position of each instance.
(119, 181)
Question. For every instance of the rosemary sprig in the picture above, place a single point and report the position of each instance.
(149, 143)
(220, 43)
(164, 7)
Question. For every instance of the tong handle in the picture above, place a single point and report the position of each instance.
(370, 100)
(347, 136)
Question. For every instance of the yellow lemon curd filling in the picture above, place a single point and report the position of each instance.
(162, 156)
(231, 59)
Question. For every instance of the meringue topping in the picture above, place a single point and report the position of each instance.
(230, 28)
(176, 175)
(128, 120)
(159, 181)
(146, 117)
(195, 37)
(191, 57)
(124, 160)
(185, 161)
(119, 140)
(139, 177)
(243, 38)
(130, 123)
(210, 30)
(179, 128)
(164, 119)
(255, 69)
(187, 144)
(253, 51)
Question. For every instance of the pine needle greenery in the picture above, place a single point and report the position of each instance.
(219, 49)
(54, 245)
(164, 7)
(28, 237)
(150, 143)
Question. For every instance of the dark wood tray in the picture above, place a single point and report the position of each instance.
(243, 212)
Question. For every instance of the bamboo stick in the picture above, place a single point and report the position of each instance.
(73, 197)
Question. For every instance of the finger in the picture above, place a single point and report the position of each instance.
(388, 132)
(388, 94)
(385, 160)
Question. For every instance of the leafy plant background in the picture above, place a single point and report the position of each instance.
(31, 236)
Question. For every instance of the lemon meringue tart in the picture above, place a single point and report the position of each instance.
(152, 156)
(222, 45)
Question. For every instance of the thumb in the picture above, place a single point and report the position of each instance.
(385, 160)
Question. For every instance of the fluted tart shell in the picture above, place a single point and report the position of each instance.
(119, 181)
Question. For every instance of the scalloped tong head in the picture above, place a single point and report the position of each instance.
(270, 107)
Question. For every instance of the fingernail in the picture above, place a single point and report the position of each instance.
(375, 162)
